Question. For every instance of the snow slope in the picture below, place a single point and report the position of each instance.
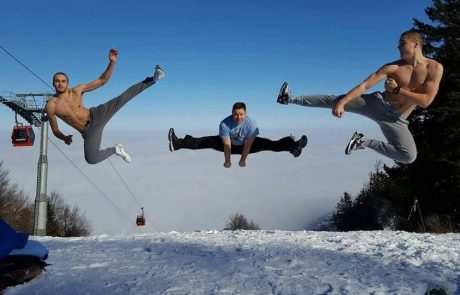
(250, 262)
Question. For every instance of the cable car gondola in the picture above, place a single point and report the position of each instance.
(22, 135)
(140, 220)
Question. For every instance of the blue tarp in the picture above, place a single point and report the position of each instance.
(10, 239)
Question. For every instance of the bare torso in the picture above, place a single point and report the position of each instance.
(68, 106)
(409, 77)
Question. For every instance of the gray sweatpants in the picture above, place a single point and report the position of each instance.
(100, 115)
(400, 147)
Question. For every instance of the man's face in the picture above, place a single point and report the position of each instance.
(60, 83)
(239, 115)
(407, 47)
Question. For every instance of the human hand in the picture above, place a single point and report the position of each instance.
(227, 164)
(242, 163)
(390, 84)
(68, 139)
(338, 110)
(113, 55)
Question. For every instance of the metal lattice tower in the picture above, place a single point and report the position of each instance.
(31, 107)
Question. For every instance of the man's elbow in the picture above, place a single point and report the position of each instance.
(426, 102)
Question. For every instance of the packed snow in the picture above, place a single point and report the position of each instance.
(249, 262)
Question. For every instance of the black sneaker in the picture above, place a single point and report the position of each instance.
(355, 143)
(174, 142)
(298, 146)
(283, 97)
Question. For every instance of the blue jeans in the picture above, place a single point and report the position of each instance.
(400, 146)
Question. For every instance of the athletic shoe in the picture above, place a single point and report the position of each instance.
(174, 142)
(355, 143)
(120, 150)
(283, 97)
(159, 73)
(298, 146)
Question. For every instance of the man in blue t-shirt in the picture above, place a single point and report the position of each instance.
(237, 135)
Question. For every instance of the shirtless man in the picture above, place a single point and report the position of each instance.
(411, 81)
(67, 104)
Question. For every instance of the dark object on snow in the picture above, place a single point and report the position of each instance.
(20, 259)
(18, 269)
(437, 290)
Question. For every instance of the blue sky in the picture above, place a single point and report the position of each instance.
(214, 53)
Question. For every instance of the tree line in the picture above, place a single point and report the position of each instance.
(17, 209)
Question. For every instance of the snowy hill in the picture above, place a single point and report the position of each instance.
(250, 262)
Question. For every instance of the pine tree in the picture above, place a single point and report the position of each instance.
(434, 178)
(342, 218)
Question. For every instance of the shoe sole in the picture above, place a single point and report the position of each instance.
(126, 157)
(280, 98)
(170, 133)
(158, 67)
(163, 73)
(350, 143)
(302, 144)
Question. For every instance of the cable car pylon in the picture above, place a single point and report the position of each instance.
(31, 108)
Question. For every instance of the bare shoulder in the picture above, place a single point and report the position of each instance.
(390, 67)
(51, 101)
(51, 104)
(77, 89)
(434, 67)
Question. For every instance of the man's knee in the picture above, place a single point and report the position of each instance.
(91, 159)
(408, 157)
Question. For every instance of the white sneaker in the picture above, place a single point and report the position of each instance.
(159, 73)
(120, 150)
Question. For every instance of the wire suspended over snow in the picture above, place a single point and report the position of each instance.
(74, 165)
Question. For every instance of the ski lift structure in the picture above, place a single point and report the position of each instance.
(31, 107)
(140, 220)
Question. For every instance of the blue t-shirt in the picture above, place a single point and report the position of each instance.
(238, 132)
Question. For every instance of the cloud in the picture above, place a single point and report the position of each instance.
(187, 190)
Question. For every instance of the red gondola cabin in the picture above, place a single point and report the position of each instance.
(23, 136)
(140, 220)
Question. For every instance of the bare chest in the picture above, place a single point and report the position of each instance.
(68, 106)
(410, 77)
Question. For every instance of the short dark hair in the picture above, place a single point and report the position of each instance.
(414, 35)
(239, 105)
(61, 73)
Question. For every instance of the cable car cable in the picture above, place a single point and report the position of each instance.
(90, 181)
(1, 47)
(84, 175)
(132, 194)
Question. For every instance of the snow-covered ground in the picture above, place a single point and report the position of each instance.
(250, 262)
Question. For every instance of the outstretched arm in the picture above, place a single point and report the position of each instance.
(104, 78)
(246, 149)
(368, 83)
(54, 126)
(227, 151)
